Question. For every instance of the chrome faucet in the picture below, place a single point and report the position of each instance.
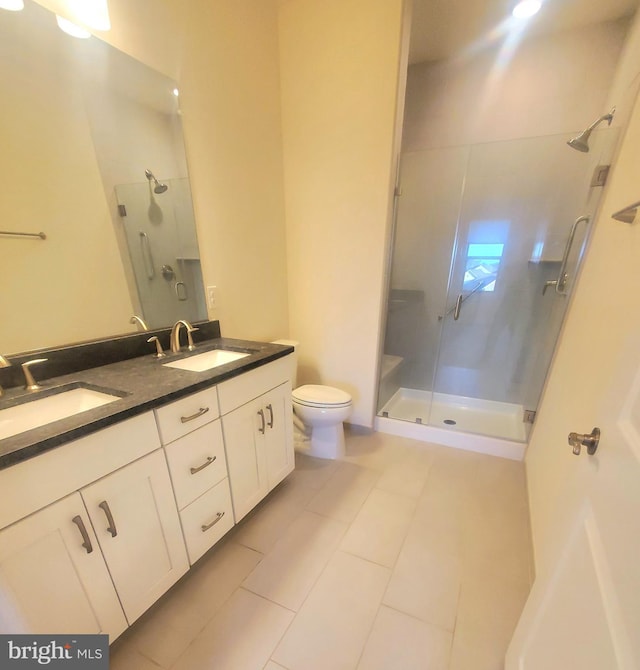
(4, 363)
(139, 320)
(30, 384)
(175, 336)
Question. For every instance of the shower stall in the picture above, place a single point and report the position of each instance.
(487, 243)
(158, 225)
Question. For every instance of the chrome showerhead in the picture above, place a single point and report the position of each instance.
(581, 142)
(158, 188)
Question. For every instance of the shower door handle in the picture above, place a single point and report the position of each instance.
(147, 256)
(561, 284)
(458, 307)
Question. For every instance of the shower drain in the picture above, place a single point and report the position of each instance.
(449, 422)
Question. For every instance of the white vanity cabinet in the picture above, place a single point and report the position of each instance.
(258, 432)
(134, 516)
(192, 438)
(93, 532)
(53, 578)
(65, 566)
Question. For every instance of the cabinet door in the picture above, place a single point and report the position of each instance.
(53, 579)
(278, 443)
(244, 431)
(135, 518)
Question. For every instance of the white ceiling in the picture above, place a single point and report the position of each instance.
(442, 28)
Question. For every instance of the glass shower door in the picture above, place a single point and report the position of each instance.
(424, 234)
(503, 310)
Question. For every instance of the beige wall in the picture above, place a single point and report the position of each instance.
(231, 102)
(224, 55)
(339, 71)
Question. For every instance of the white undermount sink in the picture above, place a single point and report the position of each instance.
(207, 360)
(37, 412)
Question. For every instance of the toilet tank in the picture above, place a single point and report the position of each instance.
(294, 357)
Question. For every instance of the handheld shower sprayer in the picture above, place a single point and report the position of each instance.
(581, 141)
(158, 188)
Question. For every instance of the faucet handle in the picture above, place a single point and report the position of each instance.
(30, 384)
(159, 352)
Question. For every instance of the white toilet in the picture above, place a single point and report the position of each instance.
(323, 409)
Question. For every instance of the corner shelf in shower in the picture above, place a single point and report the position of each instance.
(389, 365)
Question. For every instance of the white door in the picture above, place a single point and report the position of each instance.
(584, 609)
(134, 514)
(53, 578)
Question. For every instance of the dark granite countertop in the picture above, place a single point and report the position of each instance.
(144, 380)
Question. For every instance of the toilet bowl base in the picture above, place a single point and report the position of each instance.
(327, 442)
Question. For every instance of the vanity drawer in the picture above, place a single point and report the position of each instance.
(196, 462)
(207, 519)
(185, 415)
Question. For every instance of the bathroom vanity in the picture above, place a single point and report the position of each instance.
(104, 511)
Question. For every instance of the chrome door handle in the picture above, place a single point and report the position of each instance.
(86, 540)
(270, 422)
(589, 440)
(562, 273)
(205, 527)
(200, 412)
(264, 424)
(104, 506)
(209, 461)
(458, 307)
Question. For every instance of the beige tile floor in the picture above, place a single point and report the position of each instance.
(402, 556)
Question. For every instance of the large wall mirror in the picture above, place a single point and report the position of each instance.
(92, 157)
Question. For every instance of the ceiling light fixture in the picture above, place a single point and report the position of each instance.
(71, 28)
(84, 14)
(91, 13)
(12, 5)
(526, 8)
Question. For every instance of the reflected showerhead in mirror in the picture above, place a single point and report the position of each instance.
(581, 141)
(158, 187)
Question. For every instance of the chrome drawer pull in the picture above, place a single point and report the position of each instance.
(104, 506)
(264, 425)
(200, 412)
(86, 541)
(209, 461)
(206, 527)
(270, 422)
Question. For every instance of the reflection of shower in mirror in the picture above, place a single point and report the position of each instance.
(158, 188)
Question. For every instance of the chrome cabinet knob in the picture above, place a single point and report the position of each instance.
(589, 440)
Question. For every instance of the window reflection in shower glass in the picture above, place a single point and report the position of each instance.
(481, 271)
(486, 241)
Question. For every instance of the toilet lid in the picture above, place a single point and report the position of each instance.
(315, 395)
